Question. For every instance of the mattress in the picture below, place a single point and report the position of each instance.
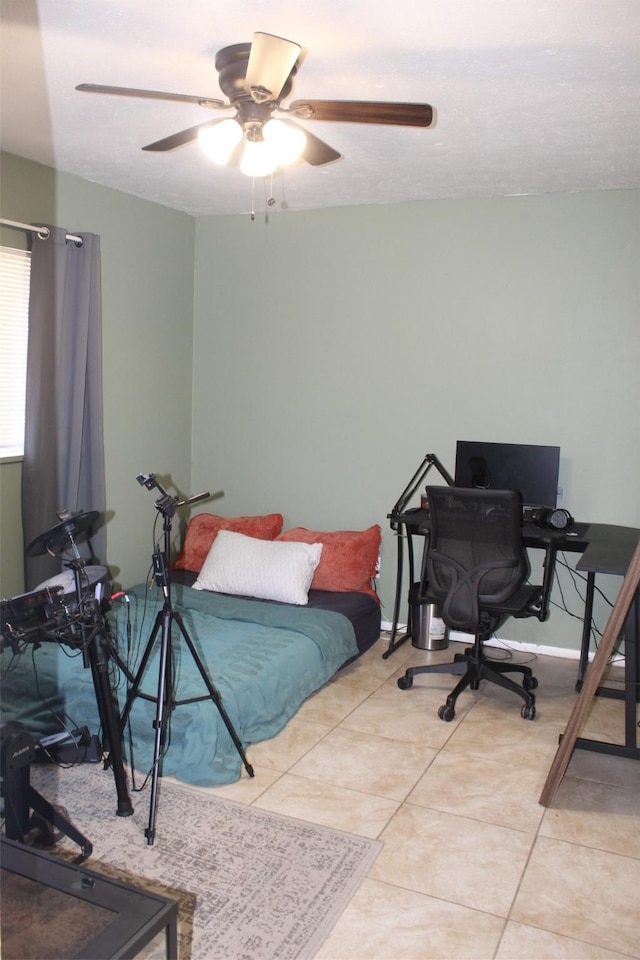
(362, 610)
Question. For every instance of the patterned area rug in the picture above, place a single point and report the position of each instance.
(252, 885)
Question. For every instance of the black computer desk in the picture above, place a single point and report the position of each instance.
(610, 550)
(604, 548)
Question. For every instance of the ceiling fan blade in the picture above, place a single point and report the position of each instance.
(364, 111)
(316, 151)
(271, 60)
(179, 139)
(151, 95)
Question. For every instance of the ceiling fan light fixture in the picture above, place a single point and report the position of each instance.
(286, 142)
(257, 159)
(218, 142)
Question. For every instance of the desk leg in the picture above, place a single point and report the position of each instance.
(393, 645)
(586, 630)
(631, 693)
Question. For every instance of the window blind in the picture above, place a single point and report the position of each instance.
(15, 270)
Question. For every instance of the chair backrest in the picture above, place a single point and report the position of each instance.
(475, 556)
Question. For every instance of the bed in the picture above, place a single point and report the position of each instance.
(273, 617)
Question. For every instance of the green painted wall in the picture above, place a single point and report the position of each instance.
(307, 364)
(147, 283)
(334, 349)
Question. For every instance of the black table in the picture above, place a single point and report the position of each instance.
(610, 550)
(605, 548)
(69, 911)
(416, 523)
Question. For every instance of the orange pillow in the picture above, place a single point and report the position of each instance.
(204, 528)
(348, 560)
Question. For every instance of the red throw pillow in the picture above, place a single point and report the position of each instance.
(348, 560)
(204, 528)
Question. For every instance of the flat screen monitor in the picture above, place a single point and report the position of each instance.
(530, 469)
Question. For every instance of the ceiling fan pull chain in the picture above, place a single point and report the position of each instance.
(271, 200)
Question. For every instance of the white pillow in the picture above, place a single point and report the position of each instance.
(267, 569)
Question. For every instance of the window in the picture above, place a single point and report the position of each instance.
(15, 271)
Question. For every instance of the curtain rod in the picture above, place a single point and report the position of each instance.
(42, 232)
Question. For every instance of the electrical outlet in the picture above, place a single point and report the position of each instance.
(378, 565)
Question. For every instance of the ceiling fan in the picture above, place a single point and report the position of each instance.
(256, 77)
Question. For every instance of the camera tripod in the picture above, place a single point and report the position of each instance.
(165, 699)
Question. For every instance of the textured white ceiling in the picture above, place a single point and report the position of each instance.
(531, 96)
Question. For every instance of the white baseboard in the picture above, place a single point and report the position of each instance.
(537, 649)
(540, 650)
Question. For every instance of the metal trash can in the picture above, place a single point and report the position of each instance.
(428, 629)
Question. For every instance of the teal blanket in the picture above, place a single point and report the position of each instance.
(263, 659)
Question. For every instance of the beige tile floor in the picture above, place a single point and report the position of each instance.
(472, 866)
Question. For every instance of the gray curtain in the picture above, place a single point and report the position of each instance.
(63, 468)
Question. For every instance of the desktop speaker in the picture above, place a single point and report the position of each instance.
(556, 519)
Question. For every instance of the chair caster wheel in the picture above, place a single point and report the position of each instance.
(405, 683)
(529, 683)
(528, 712)
(445, 712)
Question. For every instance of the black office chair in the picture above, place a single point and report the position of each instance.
(475, 570)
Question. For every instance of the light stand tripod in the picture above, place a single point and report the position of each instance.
(165, 699)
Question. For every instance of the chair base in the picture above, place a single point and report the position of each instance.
(472, 666)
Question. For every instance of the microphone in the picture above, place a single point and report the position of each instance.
(198, 497)
(166, 503)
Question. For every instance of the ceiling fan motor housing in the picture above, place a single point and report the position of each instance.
(231, 64)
